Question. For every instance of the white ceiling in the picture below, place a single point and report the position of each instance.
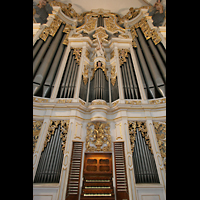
(120, 7)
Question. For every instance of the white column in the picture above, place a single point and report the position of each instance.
(60, 73)
(156, 153)
(66, 162)
(139, 79)
(129, 161)
(40, 144)
(81, 66)
(119, 79)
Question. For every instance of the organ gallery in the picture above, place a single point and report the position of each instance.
(99, 103)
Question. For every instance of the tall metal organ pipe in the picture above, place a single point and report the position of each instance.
(46, 63)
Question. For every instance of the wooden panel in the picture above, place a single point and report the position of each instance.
(120, 172)
(97, 177)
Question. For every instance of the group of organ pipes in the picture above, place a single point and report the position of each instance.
(97, 177)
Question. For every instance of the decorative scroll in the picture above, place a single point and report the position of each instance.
(111, 24)
(160, 129)
(133, 131)
(147, 31)
(77, 53)
(123, 53)
(67, 30)
(89, 25)
(101, 33)
(64, 124)
(98, 137)
(52, 29)
(36, 131)
(133, 102)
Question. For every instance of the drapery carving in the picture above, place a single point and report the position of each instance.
(98, 137)
(133, 125)
(160, 129)
(64, 124)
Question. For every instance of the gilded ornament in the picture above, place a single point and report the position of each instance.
(160, 129)
(141, 126)
(77, 53)
(101, 33)
(113, 75)
(36, 131)
(98, 137)
(64, 125)
(85, 74)
(123, 53)
(133, 102)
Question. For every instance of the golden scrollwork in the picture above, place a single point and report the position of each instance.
(123, 53)
(77, 52)
(67, 30)
(111, 24)
(101, 33)
(64, 125)
(89, 25)
(36, 131)
(141, 126)
(64, 101)
(147, 31)
(99, 102)
(52, 29)
(160, 129)
(98, 137)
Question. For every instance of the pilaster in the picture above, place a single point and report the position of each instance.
(156, 153)
(40, 144)
(81, 66)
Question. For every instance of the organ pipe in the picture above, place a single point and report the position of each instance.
(54, 69)
(46, 63)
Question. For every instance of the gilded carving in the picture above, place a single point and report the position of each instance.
(99, 64)
(147, 31)
(40, 100)
(158, 101)
(52, 29)
(160, 129)
(64, 101)
(141, 126)
(36, 131)
(113, 75)
(77, 53)
(99, 102)
(133, 102)
(123, 53)
(64, 125)
(101, 33)
(98, 137)
(85, 74)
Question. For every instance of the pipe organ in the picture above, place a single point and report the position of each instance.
(99, 102)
